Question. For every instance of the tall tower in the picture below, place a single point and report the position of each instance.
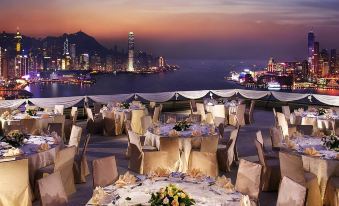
(130, 67)
(310, 47)
(18, 39)
(66, 60)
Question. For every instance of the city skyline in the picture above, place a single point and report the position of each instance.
(187, 30)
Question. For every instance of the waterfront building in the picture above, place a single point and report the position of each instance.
(310, 47)
(271, 65)
(333, 61)
(66, 60)
(161, 62)
(109, 64)
(84, 61)
(130, 66)
(18, 39)
(316, 55)
(3, 64)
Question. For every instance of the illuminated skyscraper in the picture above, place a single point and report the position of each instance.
(333, 61)
(130, 67)
(18, 39)
(315, 60)
(66, 60)
(161, 62)
(310, 46)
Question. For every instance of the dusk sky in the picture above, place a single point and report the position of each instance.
(190, 29)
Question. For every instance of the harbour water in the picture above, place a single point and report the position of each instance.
(192, 75)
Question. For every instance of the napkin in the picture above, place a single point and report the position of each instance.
(245, 200)
(195, 173)
(44, 116)
(317, 133)
(43, 147)
(225, 183)
(311, 151)
(174, 133)
(126, 179)
(13, 152)
(291, 145)
(196, 133)
(160, 172)
(171, 120)
(98, 195)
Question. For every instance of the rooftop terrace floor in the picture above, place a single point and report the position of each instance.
(101, 146)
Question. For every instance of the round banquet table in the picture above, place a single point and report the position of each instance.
(323, 165)
(201, 191)
(43, 118)
(36, 159)
(186, 139)
(323, 122)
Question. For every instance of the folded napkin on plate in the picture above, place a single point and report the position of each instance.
(43, 147)
(27, 117)
(291, 145)
(317, 133)
(13, 152)
(44, 116)
(174, 133)
(160, 172)
(171, 120)
(296, 134)
(126, 179)
(245, 200)
(212, 129)
(196, 133)
(195, 173)
(225, 183)
(311, 151)
(98, 195)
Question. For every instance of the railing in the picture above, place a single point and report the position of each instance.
(176, 96)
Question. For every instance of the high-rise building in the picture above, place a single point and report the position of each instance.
(161, 62)
(66, 60)
(271, 65)
(333, 61)
(18, 39)
(310, 47)
(130, 66)
(315, 60)
(84, 61)
(73, 51)
(3, 64)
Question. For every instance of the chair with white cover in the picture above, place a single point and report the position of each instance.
(332, 191)
(171, 146)
(275, 117)
(105, 171)
(52, 191)
(218, 110)
(291, 166)
(270, 177)
(156, 114)
(226, 153)
(59, 109)
(75, 137)
(248, 180)
(136, 121)
(64, 161)
(291, 193)
(74, 114)
(60, 119)
(268, 154)
(287, 112)
(152, 104)
(249, 117)
(146, 123)
(206, 162)
(238, 118)
(108, 123)
(201, 111)
(80, 167)
(145, 162)
(193, 106)
(71, 121)
(14, 181)
(94, 123)
(311, 122)
(29, 125)
(276, 137)
(286, 129)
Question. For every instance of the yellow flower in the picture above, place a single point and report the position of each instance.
(175, 197)
(175, 203)
(183, 195)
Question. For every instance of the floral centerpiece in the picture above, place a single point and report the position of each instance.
(31, 112)
(14, 138)
(124, 105)
(171, 195)
(322, 111)
(331, 142)
(181, 126)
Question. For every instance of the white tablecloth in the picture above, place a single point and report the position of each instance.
(201, 192)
